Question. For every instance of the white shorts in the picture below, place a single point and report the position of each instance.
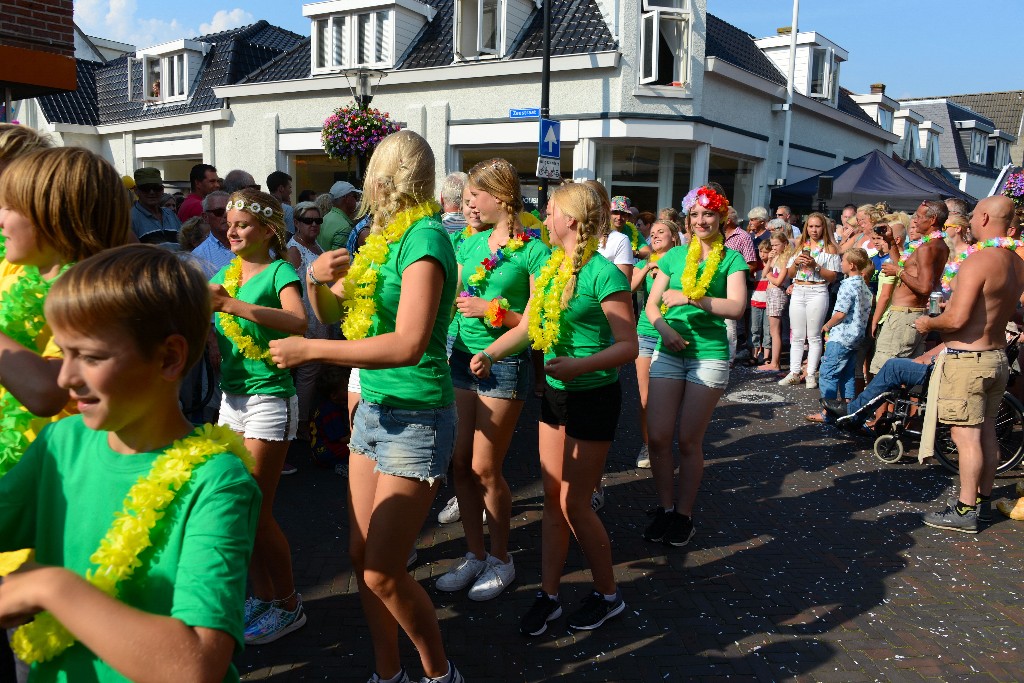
(268, 418)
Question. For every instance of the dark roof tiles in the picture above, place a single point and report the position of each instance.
(733, 45)
(102, 96)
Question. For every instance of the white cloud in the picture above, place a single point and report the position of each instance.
(227, 19)
(121, 20)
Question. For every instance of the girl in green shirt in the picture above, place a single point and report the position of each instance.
(581, 316)
(396, 296)
(496, 272)
(697, 288)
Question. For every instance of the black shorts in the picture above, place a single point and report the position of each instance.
(588, 415)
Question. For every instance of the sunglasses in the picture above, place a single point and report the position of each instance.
(310, 221)
(219, 213)
(151, 188)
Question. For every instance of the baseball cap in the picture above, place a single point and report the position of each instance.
(148, 176)
(342, 188)
(620, 203)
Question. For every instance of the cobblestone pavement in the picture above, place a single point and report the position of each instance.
(810, 563)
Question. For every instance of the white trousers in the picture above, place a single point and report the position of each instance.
(808, 311)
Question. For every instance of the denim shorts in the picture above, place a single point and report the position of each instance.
(713, 374)
(509, 378)
(268, 418)
(415, 444)
(647, 345)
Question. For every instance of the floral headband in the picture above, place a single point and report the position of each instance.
(253, 207)
(707, 198)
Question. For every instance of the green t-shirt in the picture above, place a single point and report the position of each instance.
(511, 280)
(705, 333)
(584, 329)
(457, 239)
(644, 328)
(428, 384)
(238, 374)
(335, 230)
(61, 500)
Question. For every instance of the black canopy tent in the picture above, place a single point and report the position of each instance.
(868, 179)
(938, 177)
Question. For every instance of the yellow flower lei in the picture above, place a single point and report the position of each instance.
(360, 284)
(229, 324)
(634, 236)
(546, 306)
(129, 535)
(692, 287)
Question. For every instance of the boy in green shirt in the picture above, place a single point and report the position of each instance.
(142, 525)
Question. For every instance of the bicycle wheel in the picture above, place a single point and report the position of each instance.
(1009, 435)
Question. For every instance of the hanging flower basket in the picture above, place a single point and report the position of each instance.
(1014, 188)
(354, 132)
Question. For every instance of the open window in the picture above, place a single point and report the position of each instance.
(168, 70)
(823, 73)
(477, 27)
(664, 42)
(979, 147)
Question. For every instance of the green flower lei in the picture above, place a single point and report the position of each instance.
(21, 319)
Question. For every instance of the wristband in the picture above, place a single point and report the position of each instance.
(487, 356)
(312, 278)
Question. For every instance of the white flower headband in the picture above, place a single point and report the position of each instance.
(253, 208)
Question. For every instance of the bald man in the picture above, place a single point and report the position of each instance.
(916, 280)
(986, 291)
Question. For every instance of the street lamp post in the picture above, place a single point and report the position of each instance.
(362, 93)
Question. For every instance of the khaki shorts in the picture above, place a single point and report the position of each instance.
(972, 386)
(898, 338)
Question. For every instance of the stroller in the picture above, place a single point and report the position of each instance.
(903, 419)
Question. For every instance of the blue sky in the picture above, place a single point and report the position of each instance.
(917, 48)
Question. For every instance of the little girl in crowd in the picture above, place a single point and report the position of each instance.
(777, 275)
(760, 328)
(257, 298)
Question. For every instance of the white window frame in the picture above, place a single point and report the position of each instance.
(828, 66)
(910, 151)
(1001, 154)
(171, 71)
(345, 28)
(650, 40)
(931, 154)
(476, 48)
(885, 118)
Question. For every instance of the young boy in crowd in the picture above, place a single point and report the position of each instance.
(142, 525)
(844, 331)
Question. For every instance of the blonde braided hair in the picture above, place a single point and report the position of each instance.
(400, 174)
(581, 203)
(499, 178)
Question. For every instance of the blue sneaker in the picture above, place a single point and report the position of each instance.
(275, 623)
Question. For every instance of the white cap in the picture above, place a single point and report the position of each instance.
(342, 188)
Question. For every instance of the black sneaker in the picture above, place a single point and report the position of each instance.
(655, 531)
(984, 506)
(595, 611)
(680, 530)
(859, 416)
(544, 609)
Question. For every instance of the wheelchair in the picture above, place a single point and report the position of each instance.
(901, 424)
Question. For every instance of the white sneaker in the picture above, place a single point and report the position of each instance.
(494, 579)
(790, 379)
(643, 459)
(450, 513)
(812, 381)
(462, 575)
(597, 499)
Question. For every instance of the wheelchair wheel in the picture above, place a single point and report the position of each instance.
(888, 448)
(1009, 435)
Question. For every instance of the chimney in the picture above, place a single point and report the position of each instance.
(878, 88)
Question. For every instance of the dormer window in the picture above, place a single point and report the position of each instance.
(362, 33)
(931, 152)
(909, 143)
(664, 42)
(168, 70)
(885, 118)
(824, 73)
(1000, 153)
(486, 28)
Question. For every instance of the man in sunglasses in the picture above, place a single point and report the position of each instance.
(214, 252)
(151, 223)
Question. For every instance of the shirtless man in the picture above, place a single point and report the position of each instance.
(920, 276)
(986, 291)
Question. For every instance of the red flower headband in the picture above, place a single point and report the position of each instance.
(710, 199)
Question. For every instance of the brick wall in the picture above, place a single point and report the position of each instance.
(42, 25)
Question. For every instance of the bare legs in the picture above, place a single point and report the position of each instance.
(486, 426)
(692, 405)
(386, 514)
(570, 469)
(978, 450)
(270, 569)
(643, 380)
